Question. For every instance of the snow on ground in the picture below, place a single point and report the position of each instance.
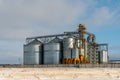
(59, 73)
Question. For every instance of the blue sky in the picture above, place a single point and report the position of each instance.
(24, 18)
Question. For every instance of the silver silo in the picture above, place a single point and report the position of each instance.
(86, 49)
(33, 52)
(69, 48)
(103, 56)
(53, 52)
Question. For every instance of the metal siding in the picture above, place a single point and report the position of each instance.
(78, 43)
(52, 53)
(69, 44)
(75, 53)
(86, 49)
(103, 56)
(32, 54)
(52, 46)
(67, 53)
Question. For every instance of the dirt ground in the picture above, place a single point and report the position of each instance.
(59, 73)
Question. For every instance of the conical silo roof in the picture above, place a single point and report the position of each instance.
(34, 42)
(56, 40)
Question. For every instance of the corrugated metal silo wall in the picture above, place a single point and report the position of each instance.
(70, 50)
(52, 53)
(33, 53)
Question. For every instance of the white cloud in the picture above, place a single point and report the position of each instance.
(19, 17)
(101, 16)
(22, 18)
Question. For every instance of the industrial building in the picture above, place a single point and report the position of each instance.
(78, 47)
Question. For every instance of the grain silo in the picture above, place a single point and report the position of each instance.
(103, 56)
(33, 53)
(68, 46)
(70, 49)
(76, 47)
(53, 52)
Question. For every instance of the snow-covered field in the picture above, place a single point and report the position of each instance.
(59, 73)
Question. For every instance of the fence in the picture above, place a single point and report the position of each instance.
(112, 65)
